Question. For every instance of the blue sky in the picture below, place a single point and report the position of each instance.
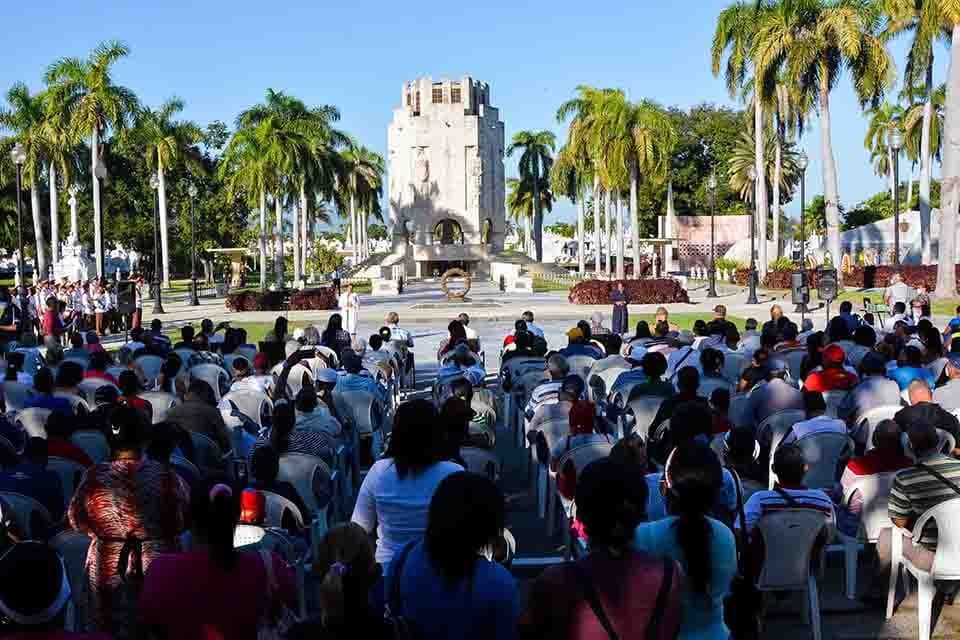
(220, 56)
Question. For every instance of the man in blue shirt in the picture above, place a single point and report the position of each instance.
(44, 398)
(32, 478)
(578, 346)
(358, 379)
(910, 367)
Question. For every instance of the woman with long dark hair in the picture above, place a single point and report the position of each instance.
(334, 336)
(212, 590)
(448, 586)
(283, 437)
(396, 493)
(703, 546)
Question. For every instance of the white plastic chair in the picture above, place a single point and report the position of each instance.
(93, 443)
(78, 404)
(733, 366)
(481, 461)
(580, 365)
(823, 453)
(580, 457)
(88, 388)
(247, 352)
(160, 402)
(599, 383)
(833, 400)
(798, 531)
(72, 547)
(795, 362)
(83, 362)
(295, 377)
(277, 506)
(185, 355)
(33, 421)
(207, 452)
(874, 491)
(250, 537)
(251, 403)
(26, 512)
(946, 561)
(778, 424)
(643, 409)
(70, 472)
(315, 483)
(15, 394)
(867, 422)
(946, 443)
(151, 365)
(116, 371)
(213, 375)
(738, 409)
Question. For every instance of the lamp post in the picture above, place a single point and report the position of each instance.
(802, 163)
(157, 302)
(752, 297)
(100, 172)
(19, 156)
(896, 143)
(74, 190)
(192, 192)
(712, 186)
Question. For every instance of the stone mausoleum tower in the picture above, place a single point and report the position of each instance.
(445, 165)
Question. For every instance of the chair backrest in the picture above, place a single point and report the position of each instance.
(946, 561)
(214, 375)
(151, 366)
(516, 367)
(584, 454)
(738, 409)
(580, 365)
(555, 430)
(733, 366)
(295, 378)
(793, 529)
(15, 394)
(834, 399)
(207, 452)
(481, 461)
(93, 443)
(599, 383)
(868, 421)
(795, 362)
(254, 404)
(33, 421)
(117, 371)
(70, 472)
(229, 359)
(161, 402)
(277, 506)
(360, 408)
(88, 388)
(779, 423)
(83, 362)
(643, 409)
(946, 443)
(185, 355)
(79, 405)
(72, 547)
(250, 537)
(310, 476)
(27, 512)
(248, 352)
(874, 490)
(824, 454)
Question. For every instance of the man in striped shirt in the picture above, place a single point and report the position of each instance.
(914, 491)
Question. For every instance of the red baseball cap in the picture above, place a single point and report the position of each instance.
(833, 354)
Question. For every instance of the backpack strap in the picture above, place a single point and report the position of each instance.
(590, 592)
(789, 499)
(939, 476)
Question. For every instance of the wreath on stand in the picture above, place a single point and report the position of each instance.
(455, 294)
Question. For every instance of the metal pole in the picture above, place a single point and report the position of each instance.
(21, 263)
(157, 303)
(752, 298)
(896, 207)
(101, 268)
(194, 301)
(802, 307)
(712, 291)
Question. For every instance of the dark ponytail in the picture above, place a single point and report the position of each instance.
(693, 477)
(284, 420)
(215, 511)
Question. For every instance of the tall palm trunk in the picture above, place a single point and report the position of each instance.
(926, 160)
(950, 194)
(831, 188)
(354, 228)
(605, 235)
(891, 179)
(54, 216)
(580, 235)
(537, 213)
(634, 218)
(620, 243)
(263, 240)
(304, 224)
(777, 169)
(762, 207)
(40, 266)
(97, 211)
(278, 240)
(295, 232)
(910, 187)
(164, 244)
(527, 237)
(596, 226)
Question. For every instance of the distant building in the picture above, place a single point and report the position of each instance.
(446, 177)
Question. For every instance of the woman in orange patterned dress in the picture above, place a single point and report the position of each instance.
(133, 509)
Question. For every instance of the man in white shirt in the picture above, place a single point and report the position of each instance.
(350, 306)
(532, 327)
(898, 291)
(396, 332)
(816, 422)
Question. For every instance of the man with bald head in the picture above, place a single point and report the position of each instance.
(923, 409)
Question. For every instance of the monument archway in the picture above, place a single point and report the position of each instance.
(448, 231)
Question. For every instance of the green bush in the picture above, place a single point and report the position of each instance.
(728, 264)
(783, 263)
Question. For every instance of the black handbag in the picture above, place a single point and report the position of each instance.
(741, 609)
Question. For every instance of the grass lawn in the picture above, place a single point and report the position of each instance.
(682, 320)
(545, 286)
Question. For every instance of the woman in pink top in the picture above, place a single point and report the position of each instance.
(212, 592)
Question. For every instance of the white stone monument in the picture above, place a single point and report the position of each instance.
(446, 177)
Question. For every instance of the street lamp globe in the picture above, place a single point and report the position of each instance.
(154, 182)
(802, 162)
(896, 139)
(712, 182)
(100, 171)
(18, 154)
(192, 190)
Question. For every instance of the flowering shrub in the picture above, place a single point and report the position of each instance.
(649, 291)
(319, 299)
(856, 278)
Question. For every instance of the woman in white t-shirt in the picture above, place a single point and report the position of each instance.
(395, 496)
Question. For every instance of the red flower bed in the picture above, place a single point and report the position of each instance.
(651, 291)
(320, 299)
(858, 278)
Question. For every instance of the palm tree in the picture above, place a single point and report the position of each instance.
(96, 104)
(362, 183)
(882, 122)
(535, 161)
(60, 145)
(789, 112)
(914, 121)
(245, 170)
(25, 118)
(521, 202)
(735, 39)
(165, 142)
(741, 161)
(811, 43)
(566, 179)
(926, 21)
